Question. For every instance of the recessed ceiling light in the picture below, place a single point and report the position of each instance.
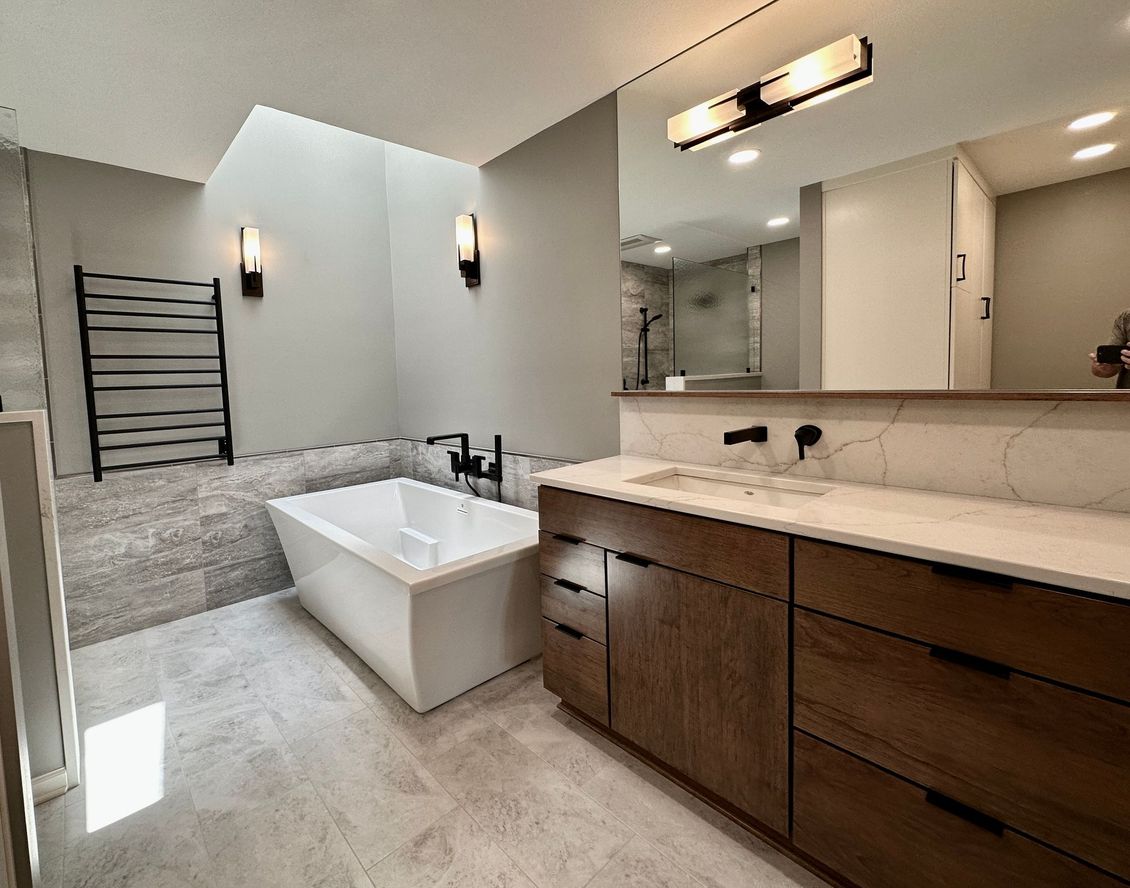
(663, 248)
(1091, 120)
(1094, 151)
(749, 155)
(778, 222)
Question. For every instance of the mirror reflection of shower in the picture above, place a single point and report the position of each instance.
(641, 347)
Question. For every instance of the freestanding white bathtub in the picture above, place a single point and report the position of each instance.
(436, 590)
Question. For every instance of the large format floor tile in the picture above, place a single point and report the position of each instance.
(558, 836)
(249, 747)
(377, 791)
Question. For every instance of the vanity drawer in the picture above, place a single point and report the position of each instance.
(574, 607)
(1076, 640)
(729, 553)
(882, 832)
(1047, 760)
(567, 558)
(575, 668)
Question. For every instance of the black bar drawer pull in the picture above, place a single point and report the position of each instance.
(961, 274)
(568, 538)
(637, 560)
(972, 574)
(970, 815)
(566, 630)
(570, 585)
(997, 670)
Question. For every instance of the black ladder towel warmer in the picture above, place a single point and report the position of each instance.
(92, 309)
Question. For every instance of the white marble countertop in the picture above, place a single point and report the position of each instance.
(1084, 549)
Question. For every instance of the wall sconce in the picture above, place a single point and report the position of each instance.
(251, 268)
(467, 243)
(821, 75)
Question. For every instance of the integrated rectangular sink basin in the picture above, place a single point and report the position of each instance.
(780, 492)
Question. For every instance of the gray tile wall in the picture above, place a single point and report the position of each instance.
(148, 547)
(642, 285)
(22, 384)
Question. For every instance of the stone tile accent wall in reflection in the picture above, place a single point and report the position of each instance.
(642, 285)
(148, 547)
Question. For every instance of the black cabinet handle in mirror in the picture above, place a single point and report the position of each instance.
(570, 585)
(970, 815)
(637, 560)
(566, 630)
(568, 538)
(988, 306)
(961, 274)
(960, 658)
(972, 574)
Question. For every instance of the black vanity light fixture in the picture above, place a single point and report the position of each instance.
(817, 77)
(251, 268)
(466, 240)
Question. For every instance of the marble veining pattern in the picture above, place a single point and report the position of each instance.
(142, 548)
(1054, 452)
(206, 781)
(1081, 549)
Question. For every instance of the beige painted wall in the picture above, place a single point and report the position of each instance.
(1062, 277)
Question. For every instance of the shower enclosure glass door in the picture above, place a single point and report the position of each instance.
(712, 320)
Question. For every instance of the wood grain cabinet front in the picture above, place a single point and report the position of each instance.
(880, 831)
(575, 668)
(1049, 761)
(699, 679)
(1071, 638)
(571, 559)
(564, 602)
(730, 553)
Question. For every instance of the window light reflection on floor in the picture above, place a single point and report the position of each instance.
(125, 765)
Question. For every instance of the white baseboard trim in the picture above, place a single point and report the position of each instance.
(48, 786)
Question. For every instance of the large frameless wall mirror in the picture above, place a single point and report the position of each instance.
(881, 195)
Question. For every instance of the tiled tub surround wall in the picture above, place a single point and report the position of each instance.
(1057, 452)
(645, 285)
(148, 547)
(22, 383)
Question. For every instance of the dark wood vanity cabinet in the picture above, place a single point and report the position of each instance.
(1003, 703)
(887, 721)
(692, 615)
(699, 678)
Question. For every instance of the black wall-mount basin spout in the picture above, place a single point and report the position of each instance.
(806, 436)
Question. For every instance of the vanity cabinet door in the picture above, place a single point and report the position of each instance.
(699, 679)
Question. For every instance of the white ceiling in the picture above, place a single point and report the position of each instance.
(164, 86)
(1043, 154)
(945, 73)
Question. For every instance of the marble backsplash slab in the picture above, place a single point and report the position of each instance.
(148, 547)
(1057, 452)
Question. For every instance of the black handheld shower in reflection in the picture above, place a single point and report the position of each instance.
(641, 346)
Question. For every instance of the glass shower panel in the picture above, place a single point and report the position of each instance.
(711, 319)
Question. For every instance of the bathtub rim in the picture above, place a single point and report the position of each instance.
(415, 579)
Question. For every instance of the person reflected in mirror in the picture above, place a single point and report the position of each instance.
(1119, 336)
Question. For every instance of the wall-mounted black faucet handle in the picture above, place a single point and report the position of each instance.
(756, 434)
(806, 436)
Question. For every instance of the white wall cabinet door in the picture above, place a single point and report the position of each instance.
(886, 272)
(971, 289)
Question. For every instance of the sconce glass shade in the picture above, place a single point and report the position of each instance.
(465, 237)
(252, 257)
(467, 245)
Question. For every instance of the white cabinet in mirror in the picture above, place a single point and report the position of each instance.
(954, 226)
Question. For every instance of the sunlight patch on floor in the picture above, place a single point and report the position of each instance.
(125, 766)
